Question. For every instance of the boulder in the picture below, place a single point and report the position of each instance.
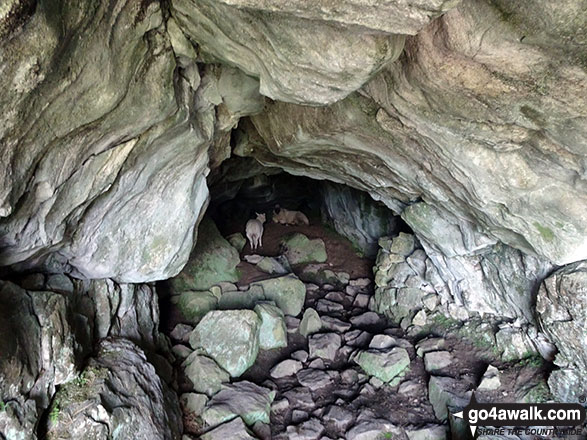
(237, 240)
(274, 266)
(299, 249)
(206, 375)
(324, 345)
(250, 402)
(562, 313)
(140, 404)
(235, 429)
(285, 368)
(230, 337)
(443, 393)
(287, 292)
(386, 364)
(310, 323)
(195, 304)
(373, 429)
(437, 361)
(272, 333)
(212, 261)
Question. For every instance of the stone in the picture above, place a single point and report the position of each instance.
(318, 82)
(237, 240)
(432, 432)
(321, 274)
(437, 361)
(38, 352)
(181, 351)
(382, 341)
(143, 404)
(317, 364)
(262, 430)
(561, 307)
(298, 416)
(300, 398)
(299, 249)
(311, 322)
(365, 319)
(181, 332)
(193, 404)
(288, 293)
(309, 430)
(279, 406)
(300, 355)
(272, 333)
(238, 299)
(235, 429)
(442, 393)
(491, 379)
(338, 417)
(327, 306)
(285, 368)
(385, 364)
(430, 344)
(335, 324)
(514, 344)
(313, 379)
(253, 258)
(292, 324)
(430, 301)
(357, 338)
(420, 318)
(206, 375)
(250, 402)
(373, 429)
(274, 266)
(213, 260)
(361, 301)
(230, 337)
(195, 304)
(324, 345)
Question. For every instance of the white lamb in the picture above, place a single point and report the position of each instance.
(254, 231)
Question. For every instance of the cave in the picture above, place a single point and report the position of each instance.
(252, 219)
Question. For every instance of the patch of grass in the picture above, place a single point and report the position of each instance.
(531, 359)
(445, 321)
(387, 435)
(2, 405)
(54, 413)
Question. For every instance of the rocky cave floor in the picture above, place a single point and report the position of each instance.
(346, 372)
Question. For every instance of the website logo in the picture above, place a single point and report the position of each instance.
(547, 419)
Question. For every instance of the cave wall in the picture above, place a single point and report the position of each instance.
(465, 118)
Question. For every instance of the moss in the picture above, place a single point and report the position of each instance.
(544, 231)
(2, 405)
(538, 394)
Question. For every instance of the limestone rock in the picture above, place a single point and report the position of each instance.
(237, 240)
(274, 266)
(491, 379)
(288, 293)
(230, 337)
(436, 361)
(561, 306)
(318, 79)
(443, 393)
(299, 249)
(205, 374)
(195, 304)
(372, 429)
(385, 364)
(38, 351)
(324, 345)
(356, 216)
(213, 260)
(313, 379)
(235, 429)
(272, 333)
(309, 430)
(250, 402)
(285, 368)
(142, 404)
(311, 322)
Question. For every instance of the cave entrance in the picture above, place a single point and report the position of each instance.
(347, 220)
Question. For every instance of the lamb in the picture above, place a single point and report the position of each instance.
(287, 217)
(254, 231)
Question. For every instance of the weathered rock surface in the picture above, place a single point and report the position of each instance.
(299, 249)
(272, 332)
(287, 292)
(212, 261)
(474, 156)
(385, 364)
(250, 402)
(278, 49)
(562, 309)
(230, 337)
(205, 374)
(119, 394)
(356, 216)
(38, 353)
